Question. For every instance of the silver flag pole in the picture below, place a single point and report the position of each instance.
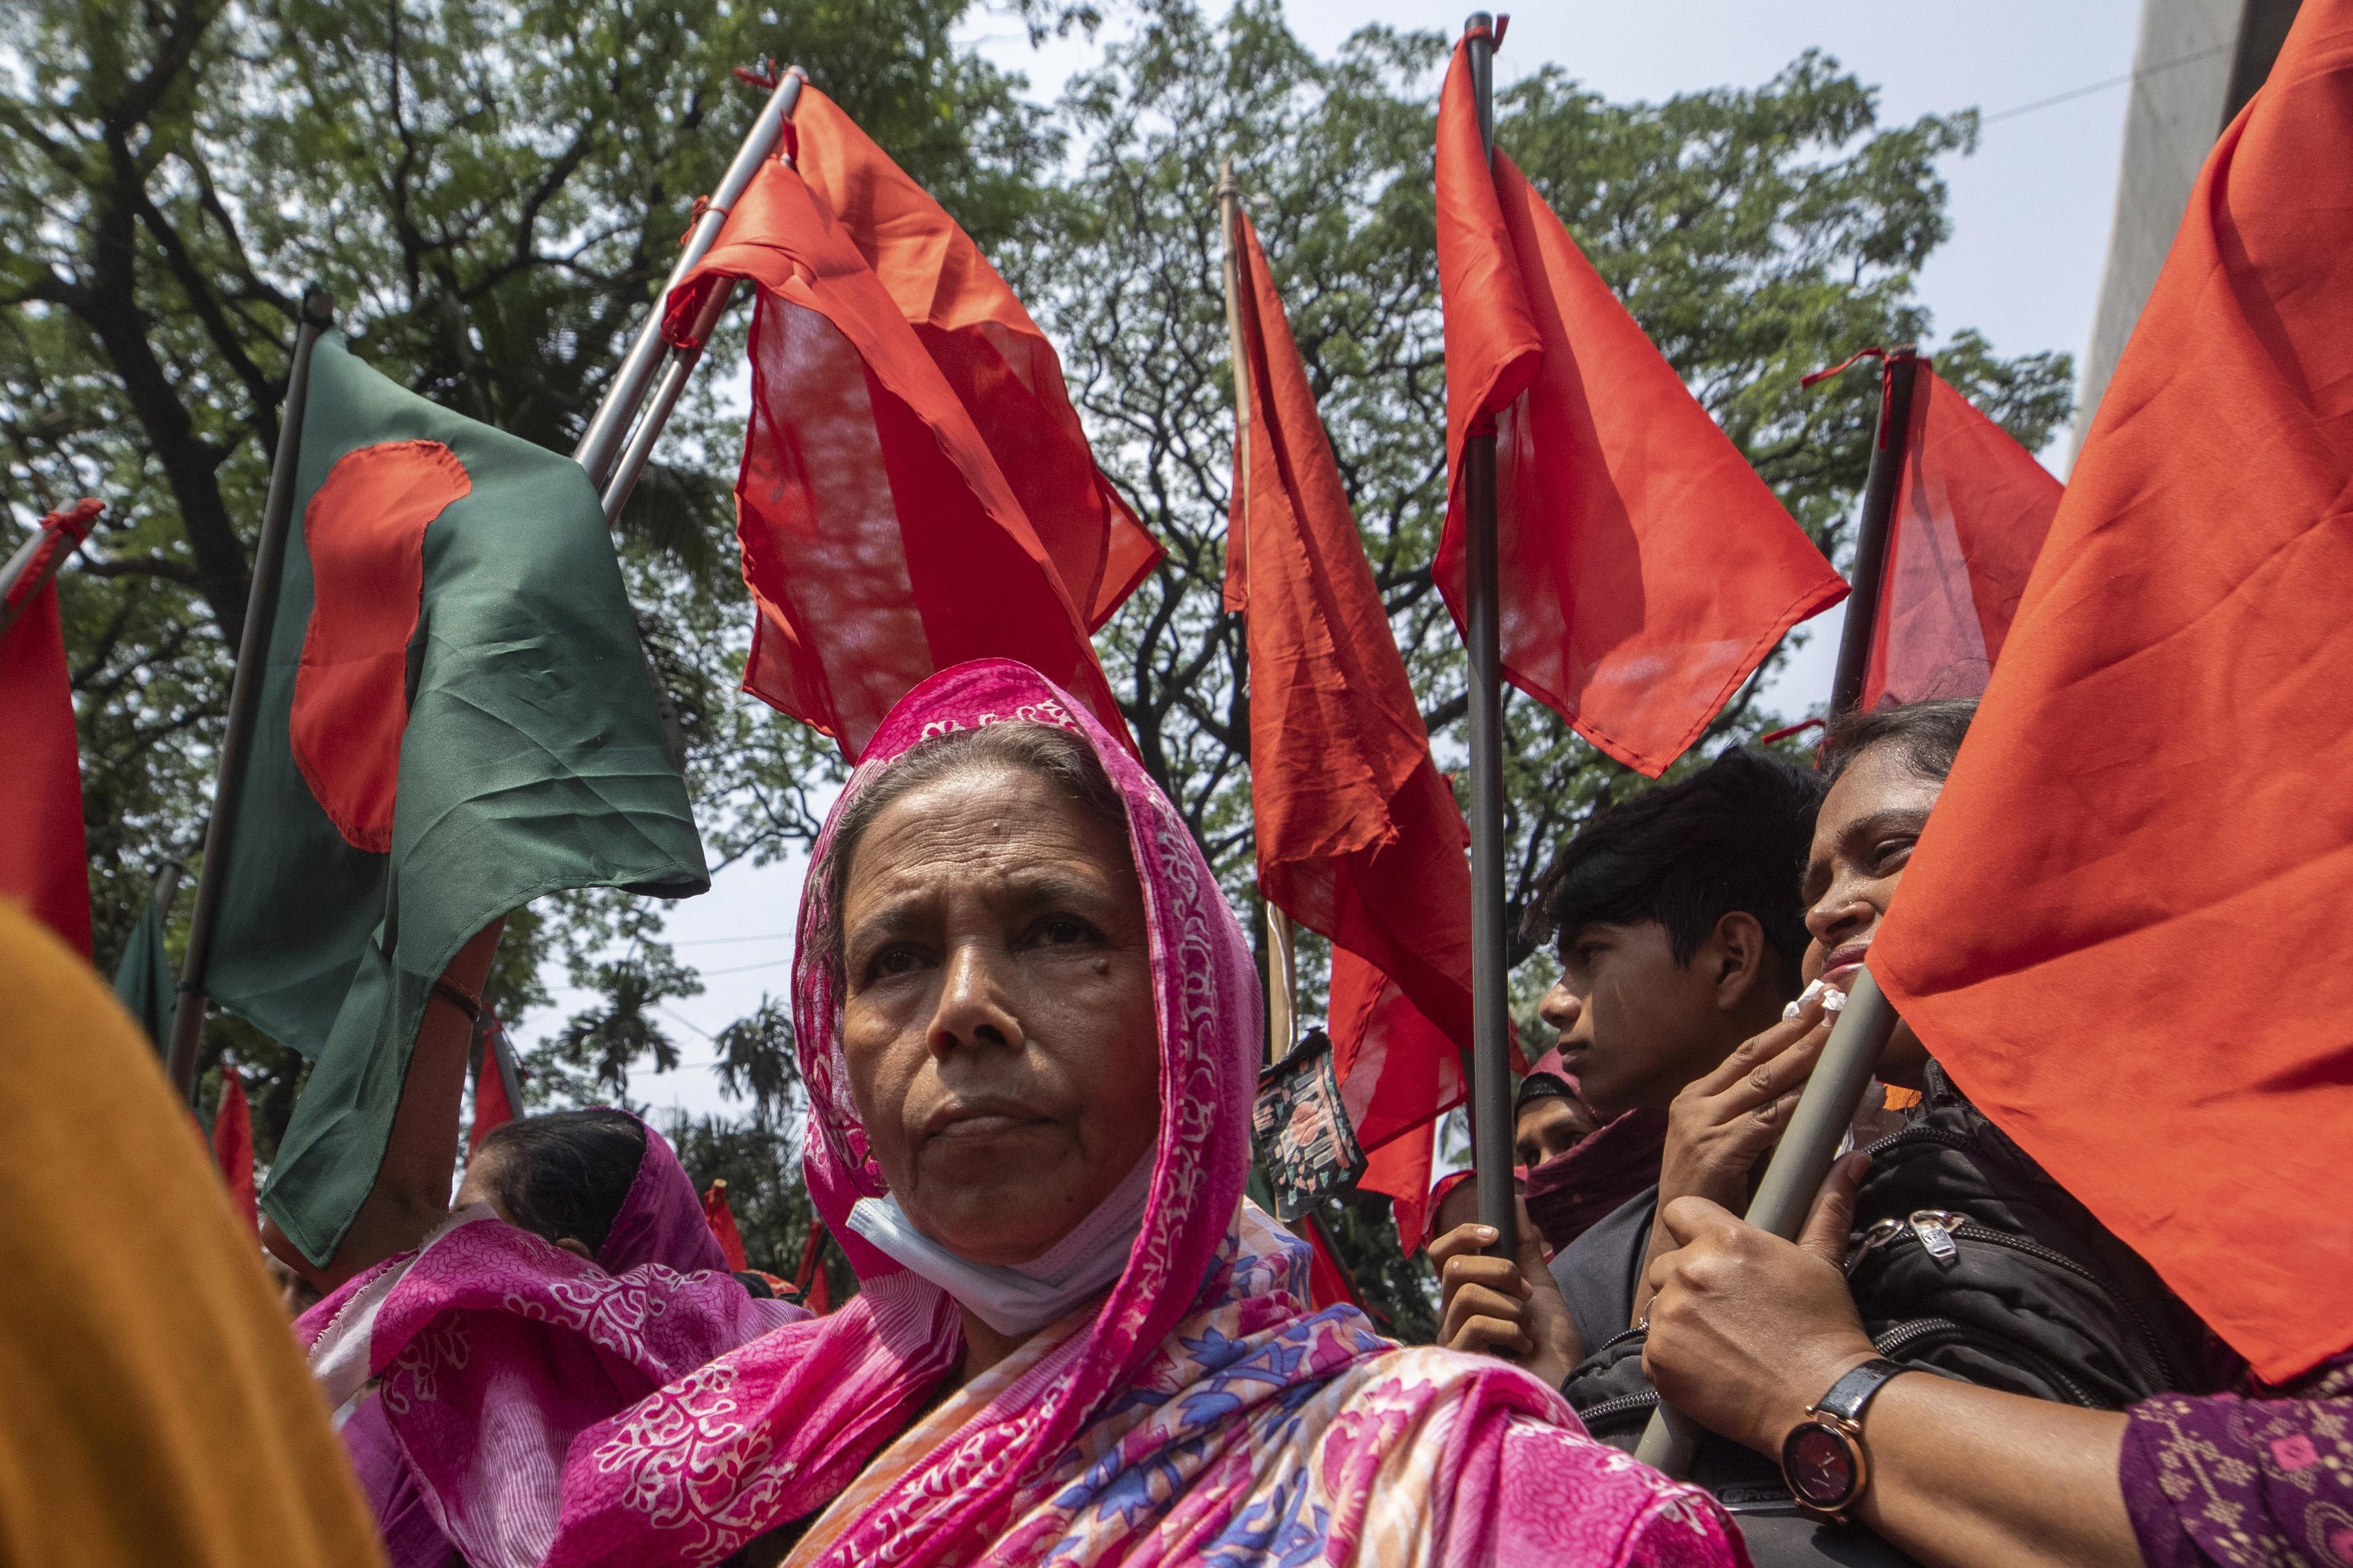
(603, 442)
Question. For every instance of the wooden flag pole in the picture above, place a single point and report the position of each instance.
(1834, 1089)
(1282, 963)
(608, 452)
(1901, 374)
(245, 694)
(1491, 1068)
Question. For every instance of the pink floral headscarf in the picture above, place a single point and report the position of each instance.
(1202, 1410)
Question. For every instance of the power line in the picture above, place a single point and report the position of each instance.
(724, 940)
(2058, 98)
(743, 968)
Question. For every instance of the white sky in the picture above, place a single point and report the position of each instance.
(2031, 213)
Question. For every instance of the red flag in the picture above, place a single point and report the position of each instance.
(493, 1108)
(1972, 506)
(1646, 569)
(2117, 931)
(1399, 1170)
(233, 1143)
(721, 1218)
(43, 858)
(882, 538)
(1001, 365)
(1358, 835)
(808, 1279)
(1329, 1283)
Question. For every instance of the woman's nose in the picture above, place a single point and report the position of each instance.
(1839, 914)
(974, 1009)
(1560, 1008)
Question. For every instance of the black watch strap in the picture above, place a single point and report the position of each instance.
(1850, 1394)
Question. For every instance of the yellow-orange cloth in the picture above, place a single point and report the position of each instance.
(153, 1409)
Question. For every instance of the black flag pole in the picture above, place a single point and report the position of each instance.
(1491, 1066)
(245, 694)
(1835, 1088)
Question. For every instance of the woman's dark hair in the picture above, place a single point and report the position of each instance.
(1058, 756)
(1927, 735)
(565, 1173)
(1732, 837)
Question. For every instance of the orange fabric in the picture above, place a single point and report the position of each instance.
(815, 1290)
(1972, 508)
(721, 1218)
(1329, 1283)
(2120, 931)
(1646, 569)
(993, 355)
(1399, 1170)
(1358, 835)
(882, 542)
(139, 1426)
(232, 1142)
(44, 857)
(365, 531)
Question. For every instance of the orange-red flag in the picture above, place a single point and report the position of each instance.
(884, 537)
(493, 1108)
(1646, 569)
(43, 858)
(1972, 506)
(808, 1279)
(2119, 931)
(1329, 1283)
(1358, 835)
(721, 1218)
(232, 1141)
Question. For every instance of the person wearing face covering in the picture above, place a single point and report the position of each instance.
(1028, 1022)
(577, 1220)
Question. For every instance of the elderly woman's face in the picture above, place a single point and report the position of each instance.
(999, 1017)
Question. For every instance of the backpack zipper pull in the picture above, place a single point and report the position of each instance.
(1935, 1229)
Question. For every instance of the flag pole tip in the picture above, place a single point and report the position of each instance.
(319, 305)
(1479, 22)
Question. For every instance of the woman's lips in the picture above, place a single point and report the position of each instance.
(1839, 971)
(974, 1123)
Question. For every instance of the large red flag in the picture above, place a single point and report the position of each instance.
(1972, 506)
(720, 1216)
(1358, 835)
(232, 1141)
(883, 540)
(1646, 569)
(2120, 931)
(43, 858)
(976, 330)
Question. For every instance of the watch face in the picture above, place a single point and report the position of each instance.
(1818, 1464)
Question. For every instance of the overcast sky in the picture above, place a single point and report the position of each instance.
(2031, 213)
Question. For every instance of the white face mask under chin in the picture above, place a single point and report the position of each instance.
(1025, 1297)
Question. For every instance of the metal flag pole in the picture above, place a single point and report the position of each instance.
(1282, 961)
(1896, 381)
(37, 560)
(1491, 1069)
(245, 694)
(1834, 1089)
(601, 452)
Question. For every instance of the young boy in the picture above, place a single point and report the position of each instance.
(1680, 931)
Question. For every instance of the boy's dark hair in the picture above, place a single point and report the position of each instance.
(1733, 836)
(567, 1172)
(1928, 735)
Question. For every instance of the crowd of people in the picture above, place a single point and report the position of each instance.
(1029, 1024)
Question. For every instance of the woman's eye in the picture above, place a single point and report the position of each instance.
(1892, 853)
(1061, 931)
(897, 960)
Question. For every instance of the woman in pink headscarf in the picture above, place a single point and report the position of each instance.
(575, 1274)
(1028, 1024)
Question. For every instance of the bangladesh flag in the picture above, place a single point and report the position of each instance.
(458, 718)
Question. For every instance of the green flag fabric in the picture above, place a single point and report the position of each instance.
(459, 717)
(144, 980)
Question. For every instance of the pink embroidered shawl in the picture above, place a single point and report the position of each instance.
(1202, 1413)
(497, 1349)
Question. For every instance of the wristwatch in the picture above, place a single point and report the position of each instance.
(1822, 1458)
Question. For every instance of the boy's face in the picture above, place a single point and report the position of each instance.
(1636, 1024)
